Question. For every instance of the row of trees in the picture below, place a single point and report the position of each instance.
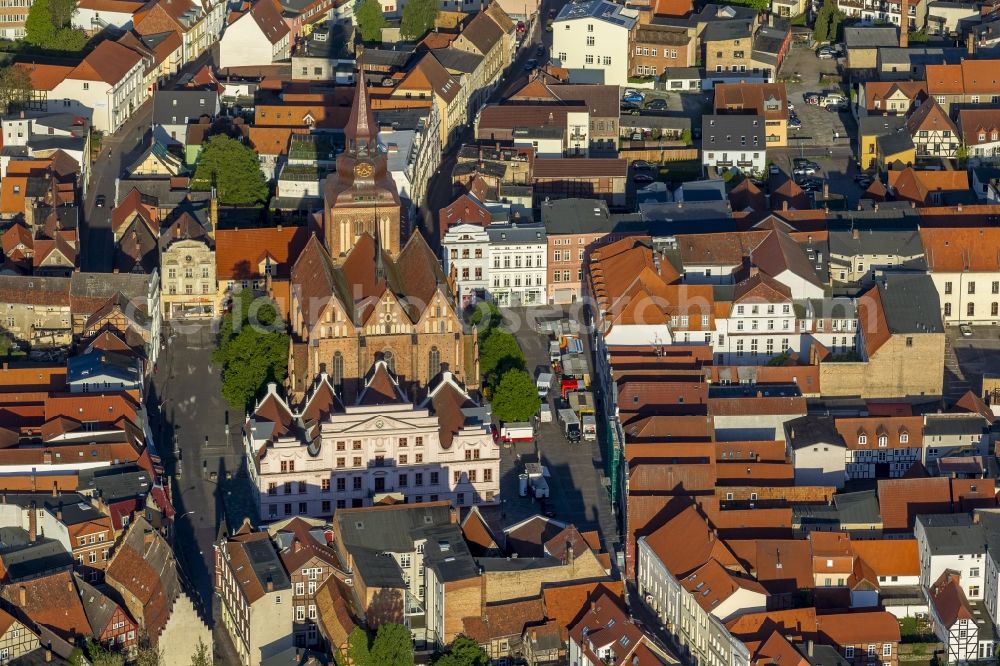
(48, 26)
(99, 655)
(392, 646)
(504, 368)
(418, 19)
(828, 21)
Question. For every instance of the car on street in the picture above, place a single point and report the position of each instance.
(630, 106)
(826, 53)
(811, 185)
(642, 179)
(530, 65)
(658, 104)
(864, 180)
(836, 108)
(540, 50)
(791, 107)
(794, 123)
(804, 170)
(773, 170)
(811, 98)
(641, 164)
(966, 330)
(800, 162)
(100, 201)
(633, 96)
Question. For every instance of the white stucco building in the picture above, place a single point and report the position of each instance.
(109, 81)
(259, 37)
(593, 41)
(467, 255)
(326, 456)
(517, 264)
(952, 542)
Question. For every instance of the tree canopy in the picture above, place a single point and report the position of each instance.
(463, 652)
(828, 20)
(515, 398)
(49, 26)
(498, 354)
(418, 18)
(392, 646)
(234, 170)
(370, 19)
(15, 87)
(253, 348)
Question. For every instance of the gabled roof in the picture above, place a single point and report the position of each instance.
(478, 534)
(711, 584)
(930, 117)
(267, 16)
(109, 62)
(948, 599)
(691, 528)
(239, 252)
(381, 387)
(52, 601)
(962, 249)
(778, 253)
(919, 186)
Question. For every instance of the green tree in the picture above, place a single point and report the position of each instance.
(147, 655)
(418, 18)
(463, 652)
(68, 39)
(486, 317)
(253, 348)
(234, 169)
(392, 646)
(200, 656)
(102, 656)
(822, 25)
(62, 12)
(357, 652)
(515, 398)
(370, 20)
(498, 354)
(38, 27)
(15, 87)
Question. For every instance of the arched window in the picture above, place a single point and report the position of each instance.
(433, 362)
(338, 369)
(390, 360)
(357, 227)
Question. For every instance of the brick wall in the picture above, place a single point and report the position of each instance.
(506, 585)
(462, 599)
(891, 372)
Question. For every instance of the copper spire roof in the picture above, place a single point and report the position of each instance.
(361, 128)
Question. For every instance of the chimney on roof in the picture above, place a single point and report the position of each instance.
(55, 488)
(48, 653)
(904, 24)
(296, 546)
(970, 43)
(826, 189)
(270, 584)
(976, 517)
(809, 648)
(32, 522)
(855, 234)
(784, 204)
(23, 595)
(69, 584)
(59, 513)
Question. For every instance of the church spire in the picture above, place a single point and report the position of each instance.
(361, 129)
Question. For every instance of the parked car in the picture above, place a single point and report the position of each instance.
(641, 164)
(629, 106)
(642, 179)
(658, 104)
(540, 50)
(773, 170)
(530, 65)
(633, 96)
(804, 170)
(791, 107)
(794, 123)
(100, 201)
(811, 98)
(966, 330)
(826, 53)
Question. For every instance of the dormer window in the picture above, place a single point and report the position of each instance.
(883, 441)
(862, 440)
(982, 136)
(904, 437)
(993, 136)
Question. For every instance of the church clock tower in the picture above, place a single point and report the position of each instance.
(361, 196)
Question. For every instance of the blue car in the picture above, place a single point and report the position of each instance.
(633, 97)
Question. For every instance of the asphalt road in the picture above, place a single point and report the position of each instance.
(576, 493)
(118, 150)
(440, 192)
(200, 436)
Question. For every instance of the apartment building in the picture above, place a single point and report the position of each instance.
(517, 264)
(881, 447)
(952, 542)
(187, 258)
(767, 100)
(965, 271)
(467, 257)
(969, 82)
(734, 142)
(593, 40)
(256, 595)
(659, 47)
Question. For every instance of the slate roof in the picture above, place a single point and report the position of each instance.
(813, 429)
(178, 107)
(953, 534)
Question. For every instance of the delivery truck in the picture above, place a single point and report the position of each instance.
(517, 432)
(570, 424)
(589, 427)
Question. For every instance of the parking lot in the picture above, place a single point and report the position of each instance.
(575, 491)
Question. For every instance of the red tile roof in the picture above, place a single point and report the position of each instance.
(239, 252)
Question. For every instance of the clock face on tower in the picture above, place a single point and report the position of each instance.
(363, 169)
